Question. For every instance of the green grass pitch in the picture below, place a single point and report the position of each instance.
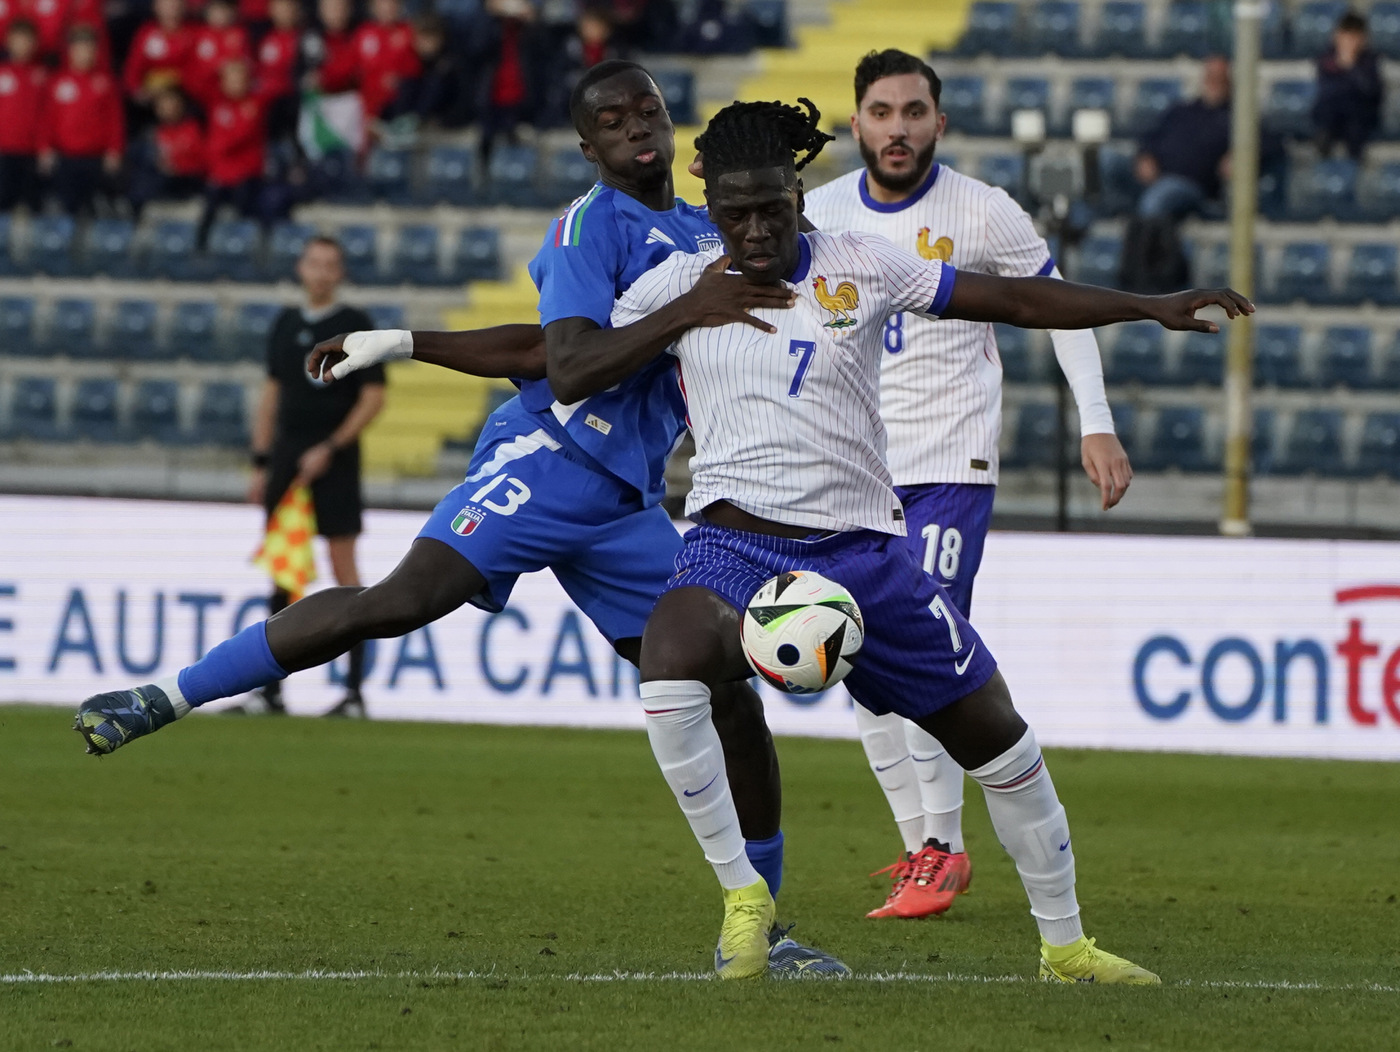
(413, 886)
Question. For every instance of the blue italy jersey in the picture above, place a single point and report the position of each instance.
(593, 253)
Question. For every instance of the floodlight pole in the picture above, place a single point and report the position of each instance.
(1244, 201)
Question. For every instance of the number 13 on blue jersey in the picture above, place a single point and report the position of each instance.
(802, 350)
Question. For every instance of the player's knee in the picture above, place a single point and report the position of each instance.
(737, 709)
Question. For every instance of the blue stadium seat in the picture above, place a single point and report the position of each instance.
(1034, 444)
(34, 408)
(1024, 93)
(1138, 355)
(246, 340)
(284, 248)
(478, 255)
(1187, 30)
(1006, 170)
(389, 173)
(172, 251)
(1389, 378)
(8, 263)
(964, 100)
(73, 329)
(386, 315)
(1278, 356)
(109, 247)
(1051, 27)
(155, 410)
(1384, 25)
(1093, 93)
(1314, 443)
(1262, 442)
(1154, 97)
(361, 246)
(93, 414)
(1179, 440)
(1014, 345)
(769, 22)
(1098, 261)
(1122, 30)
(221, 418)
(1304, 273)
(567, 175)
(194, 331)
(231, 251)
(1287, 108)
(511, 175)
(1312, 27)
(51, 245)
(1202, 359)
(1326, 188)
(132, 332)
(678, 90)
(450, 176)
(17, 326)
(991, 29)
(1379, 192)
(1371, 276)
(416, 257)
(1380, 445)
(1125, 423)
(1346, 358)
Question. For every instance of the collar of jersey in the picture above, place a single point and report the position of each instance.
(804, 261)
(898, 206)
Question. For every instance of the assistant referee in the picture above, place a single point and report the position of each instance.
(308, 432)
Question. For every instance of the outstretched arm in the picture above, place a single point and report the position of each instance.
(502, 351)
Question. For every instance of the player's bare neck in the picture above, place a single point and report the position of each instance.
(659, 198)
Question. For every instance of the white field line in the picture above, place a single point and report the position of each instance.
(327, 975)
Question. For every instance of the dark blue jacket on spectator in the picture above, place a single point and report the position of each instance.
(1190, 140)
(1349, 97)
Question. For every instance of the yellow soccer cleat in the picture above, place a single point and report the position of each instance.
(1083, 962)
(742, 952)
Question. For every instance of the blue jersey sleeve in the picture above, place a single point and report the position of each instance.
(577, 268)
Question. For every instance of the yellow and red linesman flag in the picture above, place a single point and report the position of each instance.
(286, 552)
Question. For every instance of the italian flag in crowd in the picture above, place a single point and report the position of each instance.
(286, 552)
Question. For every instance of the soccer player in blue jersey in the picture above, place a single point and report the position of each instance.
(561, 478)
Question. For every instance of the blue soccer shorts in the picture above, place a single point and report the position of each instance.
(948, 523)
(529, 503)
(920, 654)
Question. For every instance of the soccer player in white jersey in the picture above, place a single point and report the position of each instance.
(789, 474)
(940, 394)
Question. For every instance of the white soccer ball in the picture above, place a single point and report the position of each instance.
(801, 632)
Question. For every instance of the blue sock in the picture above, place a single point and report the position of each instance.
(234, 666)
(767, 857)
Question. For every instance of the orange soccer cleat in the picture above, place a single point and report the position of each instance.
(925, 882)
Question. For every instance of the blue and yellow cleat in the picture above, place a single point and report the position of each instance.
(108, 721)
(1083, 962)
(789, 959)
(742, 952)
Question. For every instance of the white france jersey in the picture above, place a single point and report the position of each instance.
(787, 426)
(941, 382)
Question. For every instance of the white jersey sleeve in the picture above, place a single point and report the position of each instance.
(922, 286)
(668, 280)
(1014, 249)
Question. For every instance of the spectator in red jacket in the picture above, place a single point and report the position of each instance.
(278, 59)
(332, 52)
(81, 132)
(236, 147)
(384, 51)
(54, 18)
(22, 83)
(221, 39)
(172, 165)
(160, 53)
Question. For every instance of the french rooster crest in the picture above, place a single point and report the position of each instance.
(840, 303)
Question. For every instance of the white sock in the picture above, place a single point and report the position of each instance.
(883, 738)
(940, 787)
(1031, 825)
(686, 745)
(171, 686)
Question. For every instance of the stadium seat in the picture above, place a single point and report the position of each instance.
(567, 175)
(416, 257)
(1346, 358)
(1051, 27)
(1326, 188)
(1138, 355)
(73, 329)
(991, 29)
(109, 247)
(1304, 273)
(194, 331)
(478, 255)
(221, 418)
(93, 414)
(1371, 276)
(232, 250)
(1262, 442)
(172, 251)
(1314, 443)
(1122, 30)
(1006, 170)
(769, 22)
(132, 331)
(678, 90)
(247, 339)
(155, 410)
(1287, 108)
(1389, 378)
(386, 315)
(1179, 440)
(1125, 423)
(51, 244)
(1384, 25)
(17, 326)
(1379, 453)
(1098, 261)
(360, 243)
(1034, 445)
(1278, 356)
(8, 263)
(964, 100)
(284, 248)
(1312, 27)
(1378, 193)
(1202, 359)
(1014, 346)
(511, 176)
(1186, 30)
(1089, 93)
(389, 173)
(1153, 98)
(450, 176)
(1024, 93)
(34, 408)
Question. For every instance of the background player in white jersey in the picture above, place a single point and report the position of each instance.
(940, 393)
(789, 474)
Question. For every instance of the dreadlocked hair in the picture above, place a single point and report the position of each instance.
(746, 135)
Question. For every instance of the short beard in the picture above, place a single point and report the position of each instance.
(902, 183)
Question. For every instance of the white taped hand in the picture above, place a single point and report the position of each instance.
(363, 349)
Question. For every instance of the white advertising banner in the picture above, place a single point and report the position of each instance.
(1287, 648)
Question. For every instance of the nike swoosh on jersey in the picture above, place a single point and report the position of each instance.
(701, 789)
(1064, 845)
(961, 666)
